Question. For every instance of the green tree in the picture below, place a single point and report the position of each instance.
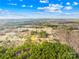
(43, 34)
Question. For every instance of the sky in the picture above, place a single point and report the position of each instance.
(39, 9)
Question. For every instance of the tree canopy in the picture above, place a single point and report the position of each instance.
(38, 51)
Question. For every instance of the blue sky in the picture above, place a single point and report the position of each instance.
(39, 8)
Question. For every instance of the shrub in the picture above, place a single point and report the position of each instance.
(41, 51)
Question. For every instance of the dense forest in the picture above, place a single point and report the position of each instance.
(44, 50)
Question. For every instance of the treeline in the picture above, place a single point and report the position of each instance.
(38, 51)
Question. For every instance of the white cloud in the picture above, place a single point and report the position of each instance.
(7, 14)
(68, 3)
(59, 0)
(52, 8)
(23, 5)
(44, 1)
(4, 11)
(12, 4)
(68, 8)
(21, 0)
(75, 3)
(30, 6)
(55, 5)
(74, 13)
(0, 9)
(15, 15)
